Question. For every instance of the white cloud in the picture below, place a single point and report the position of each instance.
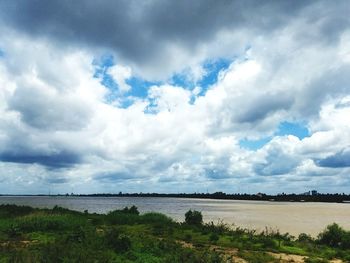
(120, 74)
(56, 129)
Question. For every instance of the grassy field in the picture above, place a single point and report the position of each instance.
(61, 235)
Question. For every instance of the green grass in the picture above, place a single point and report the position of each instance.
(61, 235)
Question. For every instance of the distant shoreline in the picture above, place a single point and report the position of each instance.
(324, 198)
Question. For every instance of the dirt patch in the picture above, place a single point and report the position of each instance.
(185, 244)
(229, 254)
(286, 258)
(18, 243)
(289, 258)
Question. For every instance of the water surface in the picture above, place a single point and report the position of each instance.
(289, 217)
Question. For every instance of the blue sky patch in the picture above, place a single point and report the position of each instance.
(212, 69)
(101, 68)
(254, 144)
(284, 128)
(139, 86)
(293, 128)
(182, 80)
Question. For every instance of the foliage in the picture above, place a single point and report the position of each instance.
(316, 260)
(125, 235)
(305, 238)
(214, 237)
(193, 217)
(335, 236)
(118, 241)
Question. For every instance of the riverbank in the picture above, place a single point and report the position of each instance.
(311, 196)
(61, 235)
(294, 218)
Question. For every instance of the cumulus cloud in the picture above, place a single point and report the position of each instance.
(338, 160)
(289, 63)
(147, 34)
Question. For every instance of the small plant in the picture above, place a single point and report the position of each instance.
(315, 260)
(132, 210)
(335, 236)
(213, 237)
(117, 241)
(193, 217)
(188, 237)
(305, 238)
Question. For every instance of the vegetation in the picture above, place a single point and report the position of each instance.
(193, 217)
(283, 197)
(61, 235)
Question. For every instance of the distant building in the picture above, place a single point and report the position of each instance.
(313, 192)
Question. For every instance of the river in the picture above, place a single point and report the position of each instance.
(291, 217)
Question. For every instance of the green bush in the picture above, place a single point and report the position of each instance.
(219, 228)
(335, 236)
(48, 222)
(132, 210)
(124, 216)
(315, 260)
(193, 217)
(214, 237)
(14, 210)
(305, 238)
(117, 241)
(158, 218)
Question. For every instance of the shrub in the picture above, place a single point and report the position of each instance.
(14, 210)
(188, 237)
(132, 210)
(48, 222)
(335, 236)
(117, 241)
(193, 217)
(315, 260)
(219, 228)
(124, 216)
(214, 237)
(158, 218)
(305, 238)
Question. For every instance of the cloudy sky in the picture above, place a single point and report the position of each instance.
(174, 96)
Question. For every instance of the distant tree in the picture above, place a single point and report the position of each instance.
(305, 238)
(335, 236)
(131, 210)
(193, 217)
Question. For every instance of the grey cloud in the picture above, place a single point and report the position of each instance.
(217, 174)
(113, 176)
(20, 146)
(277, 162)
(47, 112)
(58, 160)
(263, 106)
(333, 83)
(59, 180)
(339, 160)
(138, 30)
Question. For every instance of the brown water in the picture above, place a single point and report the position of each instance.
(294, 218)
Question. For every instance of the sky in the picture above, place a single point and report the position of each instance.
(174, 96)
